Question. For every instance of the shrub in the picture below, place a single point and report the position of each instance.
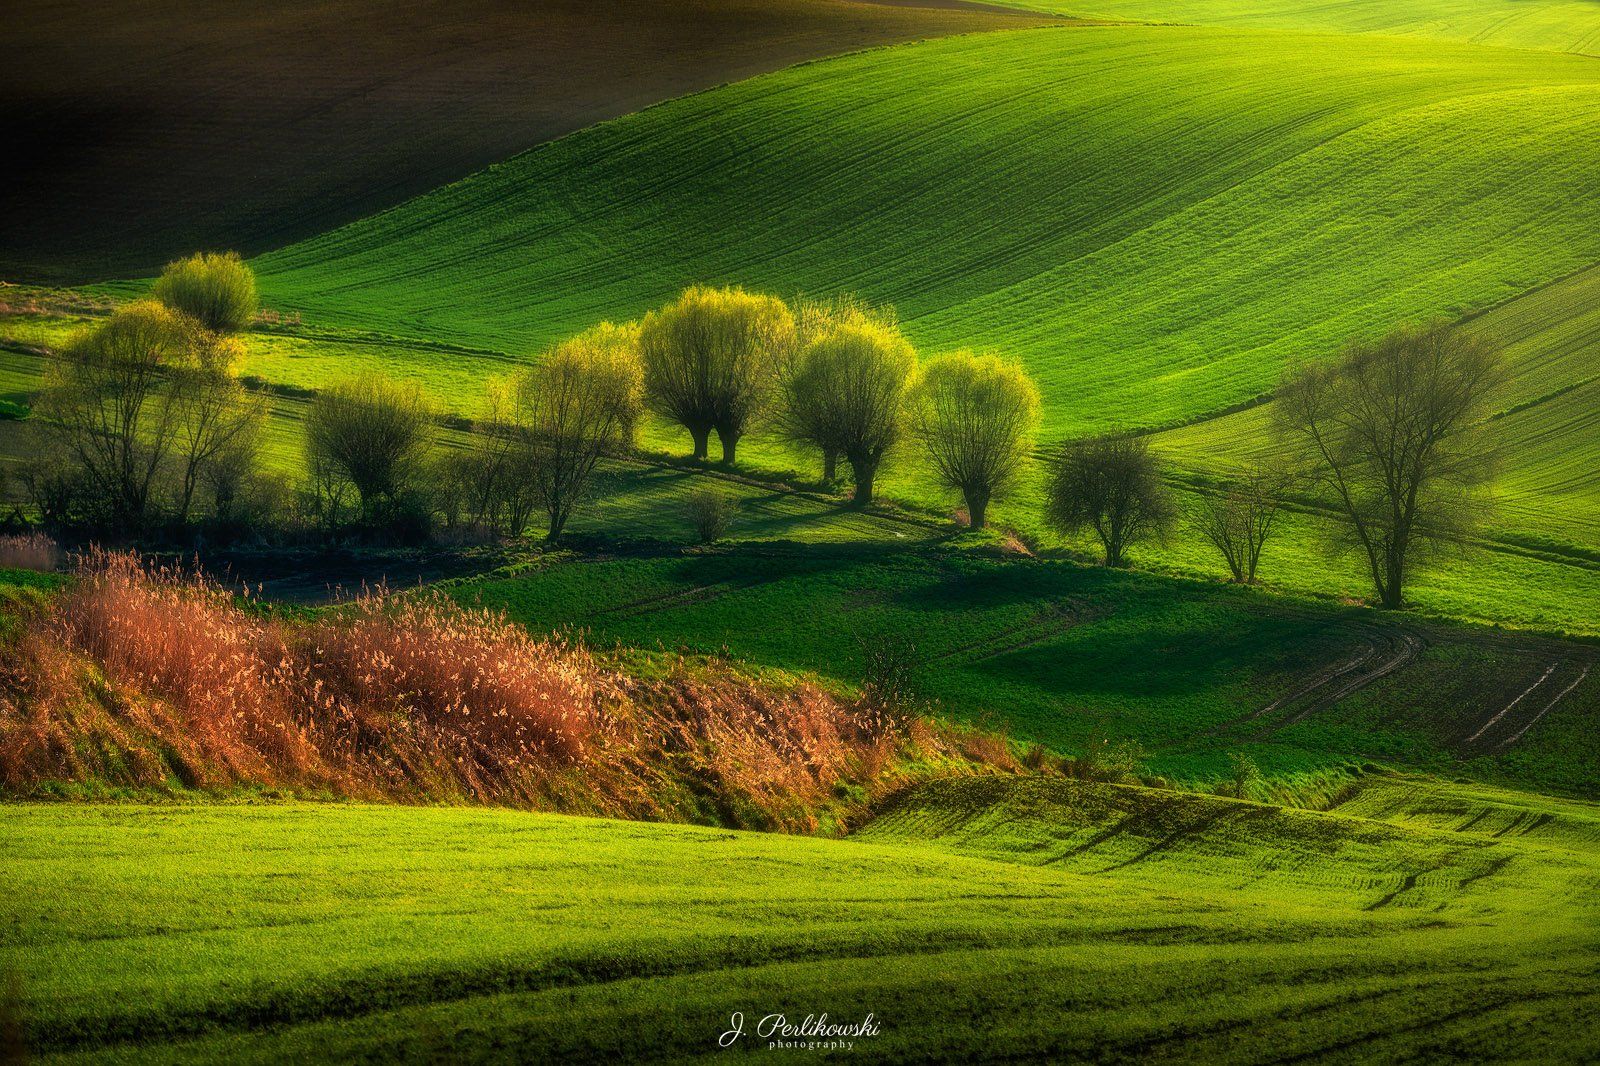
(710, 513)
(216, 290)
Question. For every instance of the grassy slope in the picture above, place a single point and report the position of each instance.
(1155, 219)
(228, 123)
(1003, 919)
(1561, 25)
(1548, 425)
(1063, 654)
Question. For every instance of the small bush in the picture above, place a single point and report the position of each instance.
(217, 290)
(710, 513)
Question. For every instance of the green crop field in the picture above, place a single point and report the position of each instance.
(983, 918)
(1291, 192)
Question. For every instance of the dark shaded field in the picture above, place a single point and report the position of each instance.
(168, 127)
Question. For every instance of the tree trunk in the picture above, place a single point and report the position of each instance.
(830, 465)
(977, 509)
(864, 474)
(730, 444)
(702, 440)
(1392, 592)
(1113, 554)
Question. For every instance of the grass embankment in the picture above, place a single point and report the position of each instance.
(1067, 654)
(1060, 921)
(133, 680)
(230, 125)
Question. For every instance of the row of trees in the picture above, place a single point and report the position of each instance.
(147, 423)
(1390, 437)
(841, 377)
(144, 417)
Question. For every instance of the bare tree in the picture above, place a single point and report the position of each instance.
(1391, 431)
(976, 417)
(1239, 520)
(216, 418)
(375, 435)
(583, 398)
(710, 358)
(851, 384)
(1111, 485)
(111, 406)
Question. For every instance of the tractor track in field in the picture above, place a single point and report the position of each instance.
(1393, 649)
(1382, 652)
(1504, 728)
(1050, 620)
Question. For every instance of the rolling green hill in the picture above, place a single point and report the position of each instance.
(1561, 25)
(1156, 219)
(226, 123)
(979, 918)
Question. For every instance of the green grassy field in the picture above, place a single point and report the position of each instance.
(1064, 654)
(1561, 25)
(1290, 192)
(982, 918)
(1293, 191)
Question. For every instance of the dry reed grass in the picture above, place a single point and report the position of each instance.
(141, 677)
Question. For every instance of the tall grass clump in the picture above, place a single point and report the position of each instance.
(29, 551)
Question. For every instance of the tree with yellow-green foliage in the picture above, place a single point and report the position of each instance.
(113, 413)
(710, 359)
(976, 416)
(217, 290)
(846, 393)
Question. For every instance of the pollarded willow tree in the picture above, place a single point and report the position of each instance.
(1392, 437)
(583, 398)
(976, 417)
(848, 390)
(710, 359)
(798, 419)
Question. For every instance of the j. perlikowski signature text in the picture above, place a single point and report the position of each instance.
(815, 1033)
